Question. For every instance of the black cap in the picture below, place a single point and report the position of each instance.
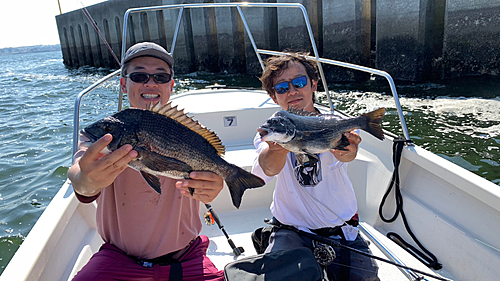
(148, 49)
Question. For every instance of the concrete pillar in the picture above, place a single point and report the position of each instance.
(96, 50)
(292, 33)
(471, 38)
(169, 21)
(231, 41)
(204, 34)
(183, 52)
(315, 12)
(87, 46)
(160, 29)
(263, 25)
(73, 50)
(63, 39)
(108, 58)
(400, 48)
(347, 36)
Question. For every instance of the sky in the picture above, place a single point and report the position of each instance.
(33, 22)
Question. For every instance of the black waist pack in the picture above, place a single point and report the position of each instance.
(297, 264)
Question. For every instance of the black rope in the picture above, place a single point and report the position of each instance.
(430, 260)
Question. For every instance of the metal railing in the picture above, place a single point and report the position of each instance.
(78, 100)
(257, 51)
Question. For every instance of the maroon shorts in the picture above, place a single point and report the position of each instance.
(110, 263)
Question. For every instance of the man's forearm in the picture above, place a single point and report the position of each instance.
(272, 161)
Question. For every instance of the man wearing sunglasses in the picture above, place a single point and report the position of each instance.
(147, 236)
(314, 197)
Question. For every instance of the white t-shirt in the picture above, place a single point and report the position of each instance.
(310, 198)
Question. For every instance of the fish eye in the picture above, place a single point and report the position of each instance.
(108, 128)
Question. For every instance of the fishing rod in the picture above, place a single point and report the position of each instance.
(334, 243)
(211, 218)
(96, 28)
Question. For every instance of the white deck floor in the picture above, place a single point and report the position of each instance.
(246, 221)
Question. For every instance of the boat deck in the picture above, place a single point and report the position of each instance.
(247, 221)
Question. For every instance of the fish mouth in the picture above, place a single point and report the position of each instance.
(262, 132)
(90, 136)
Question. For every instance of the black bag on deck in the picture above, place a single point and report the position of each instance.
(297, 264)
(260, 238)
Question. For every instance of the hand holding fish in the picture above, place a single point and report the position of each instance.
(273, 158)
(93, 171)
(206, 185)
(351, 150)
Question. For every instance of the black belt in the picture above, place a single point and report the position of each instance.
(337, 230)
(162, 260)
(326, 231)
(168, 259)
(329, 231)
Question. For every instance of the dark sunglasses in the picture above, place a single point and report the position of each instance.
(298, 83)
(141, 77)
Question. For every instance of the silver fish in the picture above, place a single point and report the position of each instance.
(171, 144)
(307, 134)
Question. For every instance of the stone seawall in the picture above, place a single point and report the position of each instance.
(411, 40)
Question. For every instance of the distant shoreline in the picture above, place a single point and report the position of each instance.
(30, 49)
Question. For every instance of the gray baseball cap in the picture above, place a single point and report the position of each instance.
(148, 49)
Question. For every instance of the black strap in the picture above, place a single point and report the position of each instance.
(337, 230)
(430, 260)
(175, 272)
(329, 231)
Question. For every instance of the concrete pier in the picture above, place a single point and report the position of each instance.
(412, 40)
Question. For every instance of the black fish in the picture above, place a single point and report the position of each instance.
(171, 144)
(307, 134)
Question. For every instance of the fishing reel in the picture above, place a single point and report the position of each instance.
(323, 253)
(209, 218)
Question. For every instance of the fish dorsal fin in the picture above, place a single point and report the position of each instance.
(178, 115)
(301, 112)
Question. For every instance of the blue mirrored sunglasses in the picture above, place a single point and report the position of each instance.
(298, 83)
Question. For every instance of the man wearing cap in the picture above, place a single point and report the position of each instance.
(147, 236)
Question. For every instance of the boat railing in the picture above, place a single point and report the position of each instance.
(78, 100)
(257, 51)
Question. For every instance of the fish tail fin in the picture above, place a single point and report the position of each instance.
(239, 181)
(374, 119)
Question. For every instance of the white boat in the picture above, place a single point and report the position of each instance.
(454, 213)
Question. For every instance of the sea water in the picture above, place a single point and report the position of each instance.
(458, 120)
